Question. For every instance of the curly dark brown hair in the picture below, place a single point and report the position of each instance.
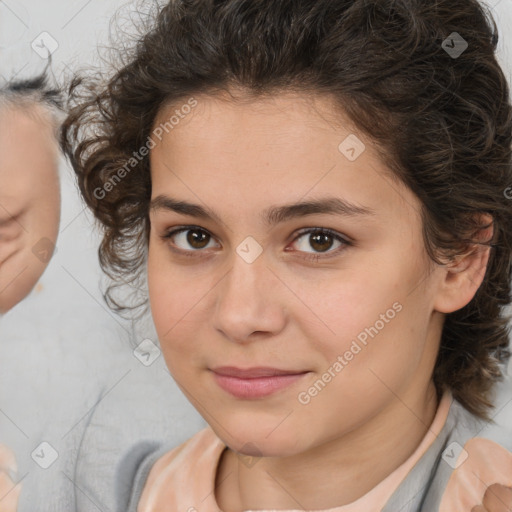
(442, 117)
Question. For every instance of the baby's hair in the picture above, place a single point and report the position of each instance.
(442, 123)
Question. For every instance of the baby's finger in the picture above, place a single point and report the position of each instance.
(498, 498)
(479, 508)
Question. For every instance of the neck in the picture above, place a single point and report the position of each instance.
(360, 459)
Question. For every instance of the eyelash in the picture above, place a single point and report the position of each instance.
(311, 257)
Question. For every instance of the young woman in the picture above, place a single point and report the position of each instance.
(318, 194)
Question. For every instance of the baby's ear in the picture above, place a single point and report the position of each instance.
(464, 275)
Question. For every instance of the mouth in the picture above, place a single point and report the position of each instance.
(255, 383)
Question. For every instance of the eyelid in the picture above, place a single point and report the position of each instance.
(316, 256)
(329, 231)
(180, 229)
(346, 241)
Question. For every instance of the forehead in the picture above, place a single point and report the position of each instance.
(27, 117)
(267, 149)
(284, 112)
(261, 134)
(286, 120)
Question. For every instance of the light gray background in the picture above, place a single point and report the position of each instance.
(68, 375)
(67, 361)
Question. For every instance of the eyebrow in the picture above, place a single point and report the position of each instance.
(274, 214)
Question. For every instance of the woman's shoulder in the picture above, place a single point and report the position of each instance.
(467, 456)
(476, 455)
(164, 473)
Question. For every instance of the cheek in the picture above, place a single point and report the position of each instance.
(18, 275)
(44, 224)
(162, 293)
(24, 258)
(164, 303)
(370, 320)
(176, 300)
(340, 307)
(363, 367)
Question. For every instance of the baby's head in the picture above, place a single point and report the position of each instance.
(29, 184)
(345, 169)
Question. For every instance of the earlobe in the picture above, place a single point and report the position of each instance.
(465, 274)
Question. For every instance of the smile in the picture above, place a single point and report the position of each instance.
(255, 382)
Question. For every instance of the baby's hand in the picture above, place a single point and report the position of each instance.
(9, 491)
(497, 498)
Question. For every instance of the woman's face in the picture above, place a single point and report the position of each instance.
(29, 200)
(256, 282)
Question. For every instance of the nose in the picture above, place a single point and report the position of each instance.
(249, 303)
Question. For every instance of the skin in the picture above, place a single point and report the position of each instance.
(497, 498)
(29, 223)
(29, 199)
(283, 311)
(9, 492)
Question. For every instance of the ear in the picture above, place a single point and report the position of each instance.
(463, 277)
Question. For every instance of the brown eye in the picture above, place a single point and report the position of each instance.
(197, 238)
(188, 239)
(321, 240)
(191, 240)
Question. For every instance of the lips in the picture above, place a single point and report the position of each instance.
(252, 373)
(255, 382)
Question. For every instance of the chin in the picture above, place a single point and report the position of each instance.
(259, 438)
